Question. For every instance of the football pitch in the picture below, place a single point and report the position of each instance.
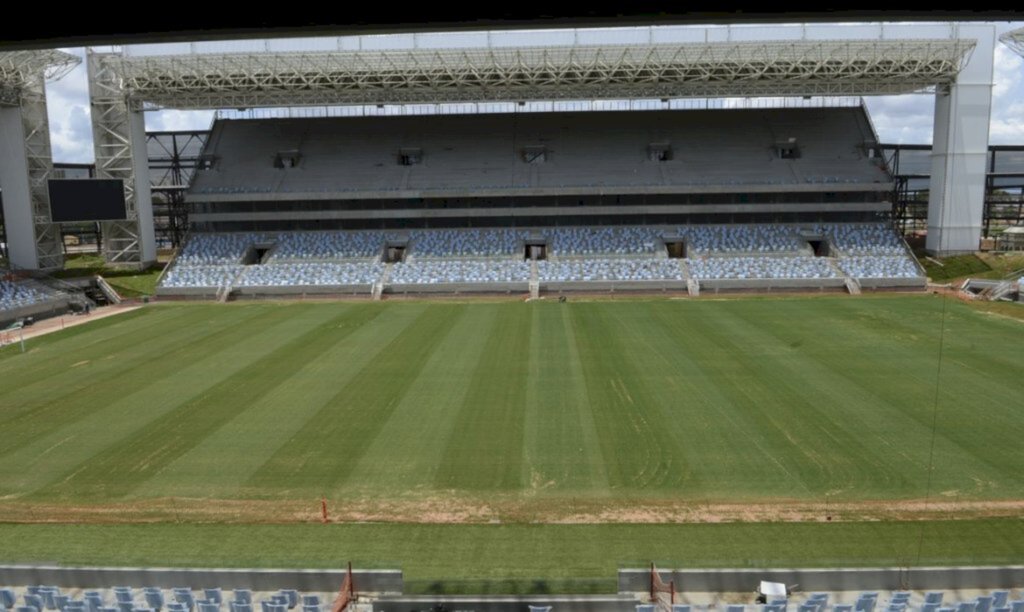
(617, 412)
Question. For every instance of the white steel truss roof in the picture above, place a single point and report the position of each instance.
(719, 69)
(1014, 40)
(19, 68)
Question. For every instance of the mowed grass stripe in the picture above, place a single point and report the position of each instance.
(227, 458)
(72, 338)
(79, 368)
(162, 359)
(847, 439)
(894, 409)
(629, 420)
(484, 451)
(118, 470)
(563, 451)
(323, 455)
(425, 417)
(66, 446)
(87, 335)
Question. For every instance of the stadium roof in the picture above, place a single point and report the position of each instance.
(1014, 40)
(19, 67)
(570, 64)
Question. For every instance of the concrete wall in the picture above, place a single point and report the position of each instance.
(508, 604)
(389, 581)
(850, 579)
(893, 283)
(558, 287)
(50, 308)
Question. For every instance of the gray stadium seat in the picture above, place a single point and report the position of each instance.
(27, 609)
(645, 608)
(34, 601)
(999, 598)
(7, 598)
(243, 596)
(539, 608)
(933, 597)
(983, 603)
(241, 607)
(154, 598)
(214, 595)
(1017, 605)
(207, 606)
(735, 608)
(184, 596)
(292, 597)
(842, 608)
(680, 608)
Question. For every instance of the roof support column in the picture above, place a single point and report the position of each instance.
(960, 151)
(33, 242)
(119, 139)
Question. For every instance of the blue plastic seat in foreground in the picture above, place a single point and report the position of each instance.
(240, 607)
(999, 598)
(243, 596)
(154, 598)
(207, 606)
(214, 595)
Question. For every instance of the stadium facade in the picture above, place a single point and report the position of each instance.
(655, 175)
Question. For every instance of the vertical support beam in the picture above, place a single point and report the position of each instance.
(143, 194)
(26, 165)
(21, 233)
(956, 198)
(117, 144)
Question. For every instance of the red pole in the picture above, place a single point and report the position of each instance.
(323, 510)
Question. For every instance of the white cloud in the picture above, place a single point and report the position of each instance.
(900, 119)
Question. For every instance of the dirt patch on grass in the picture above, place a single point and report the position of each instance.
(469, 511)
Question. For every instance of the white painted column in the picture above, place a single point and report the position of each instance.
(18, 222)
(960, 150)
(143, 194)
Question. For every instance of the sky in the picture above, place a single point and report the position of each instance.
(898, 119)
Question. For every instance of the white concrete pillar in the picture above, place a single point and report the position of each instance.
(960, 150)
(143, 195)
(14, 181)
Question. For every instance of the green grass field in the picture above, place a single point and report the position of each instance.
(148, 436)
(522, 558)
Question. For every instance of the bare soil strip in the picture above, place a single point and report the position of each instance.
(456, 511)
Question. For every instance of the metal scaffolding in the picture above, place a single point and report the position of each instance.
(1014, 40)
(771, 68)
(29, 162)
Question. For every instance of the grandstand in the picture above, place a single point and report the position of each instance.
(660, 200)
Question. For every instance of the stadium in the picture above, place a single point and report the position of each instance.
(641, 318)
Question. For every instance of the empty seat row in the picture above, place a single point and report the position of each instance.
(460, 271)
(150, 599)
(760, 268)
(646, 269)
